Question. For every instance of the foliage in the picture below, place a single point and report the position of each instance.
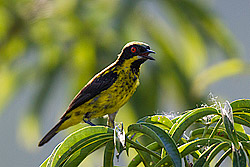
(47, 45)
(221, 130)
(49, 49)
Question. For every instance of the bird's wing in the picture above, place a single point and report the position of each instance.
(98, 84)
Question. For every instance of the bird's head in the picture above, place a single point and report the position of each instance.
(135, 52)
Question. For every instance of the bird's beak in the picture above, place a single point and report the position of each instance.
(145, 54)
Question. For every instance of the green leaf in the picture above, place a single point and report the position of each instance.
(243, 115)
(246, 146)
(49, 160)
(138, 146)
(44, 164)
(175, 119)
(215, 119)
(239, 128)
(161, 137)
(137, 159)
(189, 118)
(189, 147)
(231, 133)
(227, 117)
(143, 119)
(242, 136)
(165, 161)
(205, 131)
(241, 104)
(242, 121)
(220, 134)
(80, 154)
(160, 119)
(215, 151)
(109, 154)
(202, 159)
(239, 157)
(224, 156)
(80, 144)
(215, 128)
(146, 159)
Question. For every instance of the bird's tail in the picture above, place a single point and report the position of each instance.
(51, 133)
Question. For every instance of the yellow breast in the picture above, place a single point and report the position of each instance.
(110, 100)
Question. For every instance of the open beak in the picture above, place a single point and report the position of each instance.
(146, 54)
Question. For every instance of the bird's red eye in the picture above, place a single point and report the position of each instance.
(133, 49)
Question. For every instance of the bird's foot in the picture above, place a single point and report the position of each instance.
(89, 122)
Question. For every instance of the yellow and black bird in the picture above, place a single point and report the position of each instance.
(107, 91)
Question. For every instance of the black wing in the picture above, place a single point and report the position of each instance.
(100, 83)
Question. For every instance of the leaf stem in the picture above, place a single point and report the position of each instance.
(215, 128)
(141, 147)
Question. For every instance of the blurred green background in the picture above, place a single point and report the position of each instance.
(49, 49)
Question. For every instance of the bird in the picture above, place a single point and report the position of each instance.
(107, 91)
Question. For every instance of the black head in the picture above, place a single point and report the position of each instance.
(136, 51)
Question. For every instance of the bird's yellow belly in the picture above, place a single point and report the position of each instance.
(107, 102)
(110, 100)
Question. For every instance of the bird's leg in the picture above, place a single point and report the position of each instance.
(111, 118)
(89, 122)
(86, 119)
